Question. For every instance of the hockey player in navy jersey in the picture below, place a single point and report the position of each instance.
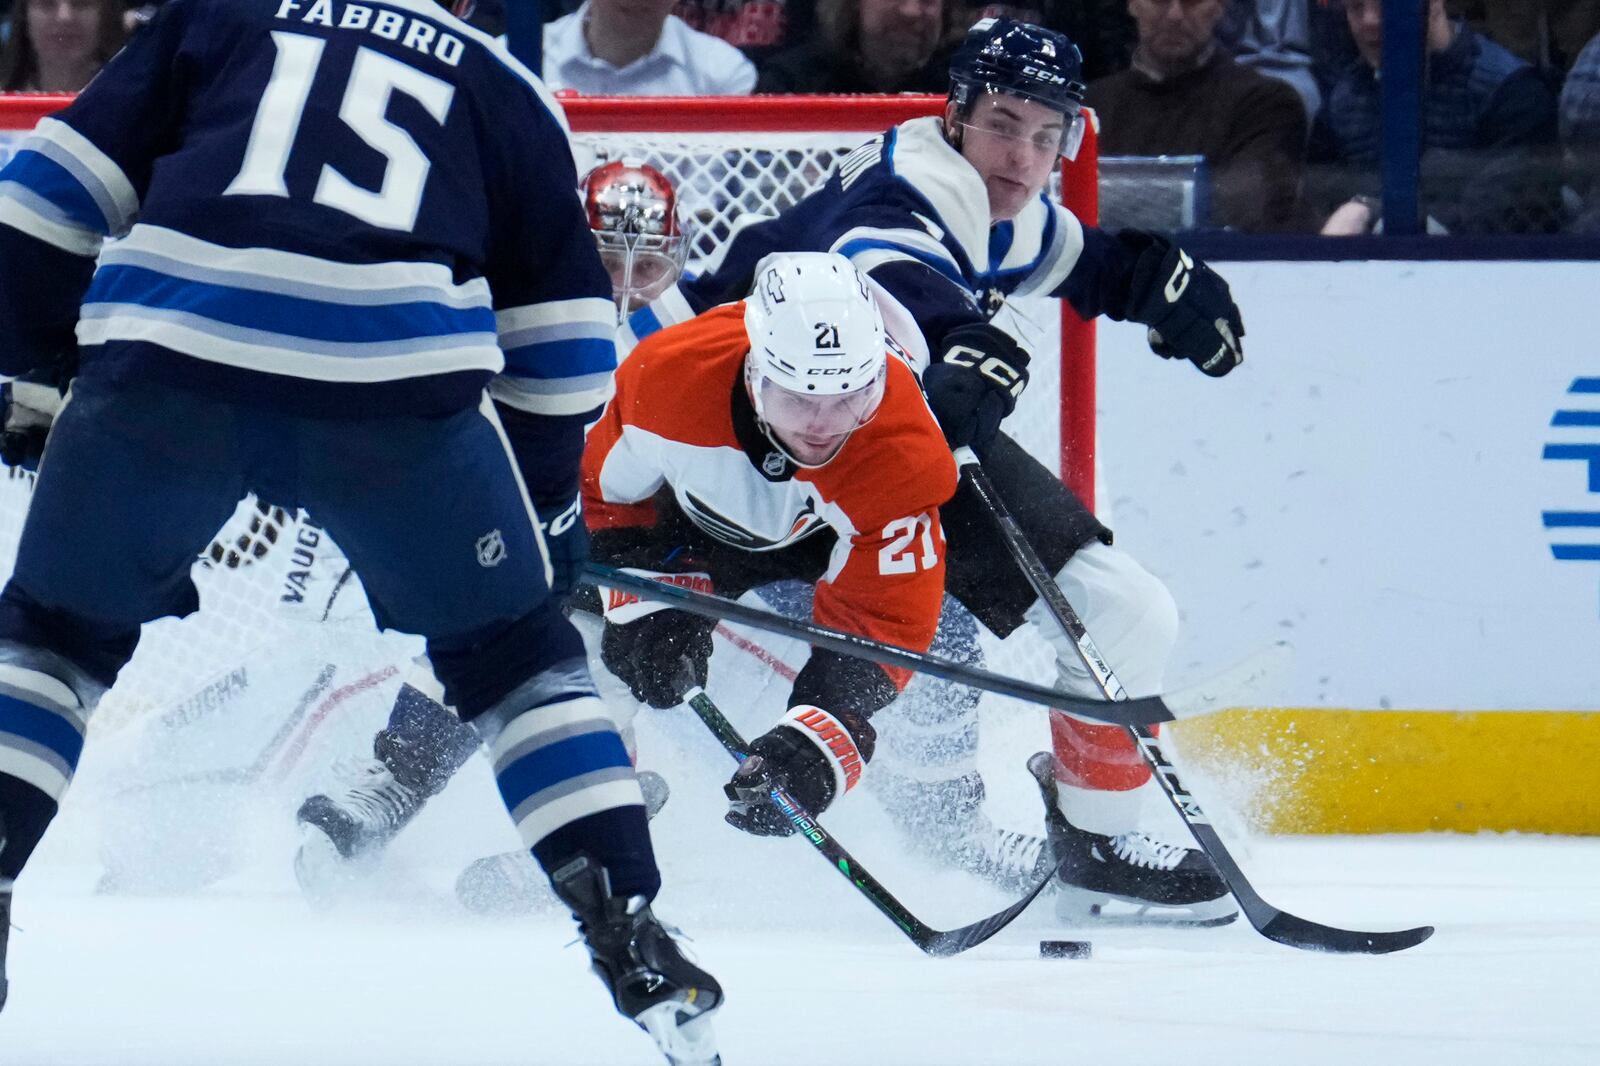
(633, 213)
(948, 216)
(350, 277)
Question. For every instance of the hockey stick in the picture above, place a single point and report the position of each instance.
(936, 942)
(1146, 711)
(1269, 921)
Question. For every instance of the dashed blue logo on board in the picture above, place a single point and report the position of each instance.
(1576, 534)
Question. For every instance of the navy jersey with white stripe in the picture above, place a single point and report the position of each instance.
(912, 214)
(323, 207)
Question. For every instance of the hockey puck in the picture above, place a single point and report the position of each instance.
(1064, 949)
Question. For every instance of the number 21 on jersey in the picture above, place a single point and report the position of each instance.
(374, 78)
(912, 545)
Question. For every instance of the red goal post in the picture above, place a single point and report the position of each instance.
(733, 156)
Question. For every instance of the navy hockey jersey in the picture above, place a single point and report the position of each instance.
(913, 215)
(321, 206)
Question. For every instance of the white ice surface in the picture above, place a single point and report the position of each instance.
(240, 970)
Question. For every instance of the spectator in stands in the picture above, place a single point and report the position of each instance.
(865, 46)
(635, 48)
(1274, 37)
(1102, 29)
(1488, 143)
(759, 28)
(1546, 33)
(1184, 95)
(1580, 137)
(58, 45)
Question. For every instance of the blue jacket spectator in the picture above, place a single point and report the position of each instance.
(1489, 130)
(1580, 137)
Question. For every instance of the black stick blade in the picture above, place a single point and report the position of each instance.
(955, 941)
(1312, 936)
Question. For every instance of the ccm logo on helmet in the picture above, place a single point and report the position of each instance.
(1044, 75)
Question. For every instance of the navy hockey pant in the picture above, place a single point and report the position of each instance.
(136, 481)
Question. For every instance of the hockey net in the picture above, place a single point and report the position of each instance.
(730, 158)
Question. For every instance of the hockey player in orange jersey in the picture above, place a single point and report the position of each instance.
(749, 445)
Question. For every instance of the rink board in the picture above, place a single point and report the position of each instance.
(1321, 770)
(1403, 481)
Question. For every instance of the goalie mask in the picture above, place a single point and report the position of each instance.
(633, 212)
(818, 353)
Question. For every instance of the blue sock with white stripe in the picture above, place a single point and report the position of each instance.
(566, 778)
(41, 738)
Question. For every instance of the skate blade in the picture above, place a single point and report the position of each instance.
(684, 1041)
(1084, 908)
(507, 884)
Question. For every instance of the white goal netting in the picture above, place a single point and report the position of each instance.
(249, 578)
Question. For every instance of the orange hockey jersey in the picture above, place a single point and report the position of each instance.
(675, 422)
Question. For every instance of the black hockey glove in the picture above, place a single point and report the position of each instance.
(567, 541)
(1186, 304)
(28, 407)
(811, 754)
(653, 649)
(975, 383)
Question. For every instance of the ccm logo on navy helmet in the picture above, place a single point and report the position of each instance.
(1041, 74)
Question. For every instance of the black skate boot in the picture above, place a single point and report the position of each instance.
(512, 883)
(1134, 879)
(336, 829)
(650, 981)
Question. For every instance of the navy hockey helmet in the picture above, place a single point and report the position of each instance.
(1003, 55)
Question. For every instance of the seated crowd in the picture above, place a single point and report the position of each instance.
(1275, 103)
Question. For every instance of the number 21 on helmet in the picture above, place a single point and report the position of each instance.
(818, 357)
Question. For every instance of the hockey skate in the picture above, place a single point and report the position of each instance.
(512, 883)
(1134, 879)
(642, 966)
(334, 830)
(1131, 878)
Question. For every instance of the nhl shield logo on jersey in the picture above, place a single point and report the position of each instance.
(774, 465)
(491, 548)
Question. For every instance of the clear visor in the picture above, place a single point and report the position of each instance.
(813, 428)
(1055, 133)
(641, 266)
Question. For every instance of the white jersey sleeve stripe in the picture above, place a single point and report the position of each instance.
(266, 268)
(915, 242)
(101, 178)
(21, 209)
(279, 353)
(1066, 245)
(567, 396)
(586, 310)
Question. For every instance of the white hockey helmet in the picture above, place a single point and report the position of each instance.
(818, 353)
